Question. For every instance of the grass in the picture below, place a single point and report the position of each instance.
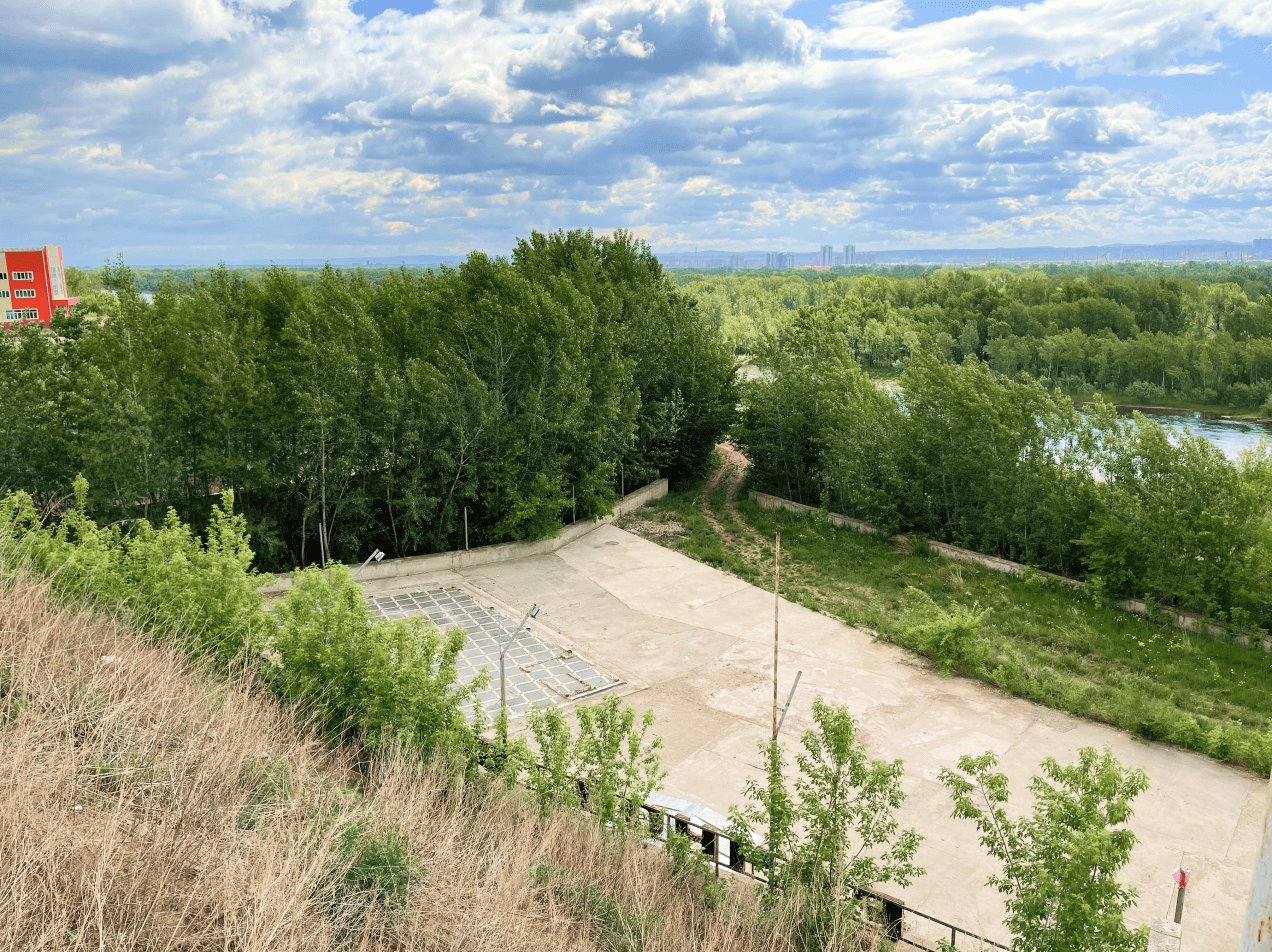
(149, 804)
(1038, 641)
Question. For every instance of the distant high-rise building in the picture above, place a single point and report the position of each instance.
(737, 262)
(850, 254)
(827, 255)
(1263, 248)
(779, 260)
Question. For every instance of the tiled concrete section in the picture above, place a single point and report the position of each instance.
(538, 673)
(695, 645)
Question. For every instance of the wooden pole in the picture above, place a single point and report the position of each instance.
(465, 528)
(777, 603)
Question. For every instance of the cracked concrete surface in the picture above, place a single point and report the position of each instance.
(696, 646)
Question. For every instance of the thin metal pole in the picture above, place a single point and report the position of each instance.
(790, 697)
(1257, 936)
(777, 602)
(465, 528)
(322, 547)
(503, 704)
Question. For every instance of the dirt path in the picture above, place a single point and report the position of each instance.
(733, 467)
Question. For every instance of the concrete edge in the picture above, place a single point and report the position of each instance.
(1189, 621)
(503, 552)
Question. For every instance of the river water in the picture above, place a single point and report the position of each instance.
(1231, 436)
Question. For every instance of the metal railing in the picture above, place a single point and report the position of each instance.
(707, 829)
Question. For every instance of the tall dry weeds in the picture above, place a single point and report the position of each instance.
(146, 804)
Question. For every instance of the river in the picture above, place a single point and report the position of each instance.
(1231, 436)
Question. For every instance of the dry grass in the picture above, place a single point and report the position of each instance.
(137, 811)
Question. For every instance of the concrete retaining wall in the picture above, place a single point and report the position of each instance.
(504, 552)
(1190, 621)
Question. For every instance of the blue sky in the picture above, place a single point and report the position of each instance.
(200, 130)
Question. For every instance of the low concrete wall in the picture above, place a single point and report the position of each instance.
(504, 552)
(1189, 621)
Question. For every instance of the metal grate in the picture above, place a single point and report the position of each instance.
(539, 673)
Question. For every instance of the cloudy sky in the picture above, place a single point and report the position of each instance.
(198, 130)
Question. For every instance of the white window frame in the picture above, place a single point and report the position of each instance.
(4, 276)
(4, 293)
(23, 276)
(24, 292)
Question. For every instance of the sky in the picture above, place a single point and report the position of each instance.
(192, 131)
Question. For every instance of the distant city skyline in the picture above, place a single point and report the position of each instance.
(1254, 250)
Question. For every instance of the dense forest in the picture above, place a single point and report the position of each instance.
(352, 410)
(526, 391)
(1196, 336)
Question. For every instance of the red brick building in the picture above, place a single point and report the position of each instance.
(32, 284)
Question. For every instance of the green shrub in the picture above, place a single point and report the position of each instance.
(164, 576)
(390, 682)
(378, 864)
(690, 870)
(611, 759)
(1059, 862)
(950, 638)
(839, 832)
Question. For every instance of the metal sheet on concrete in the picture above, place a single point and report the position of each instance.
(538, 672)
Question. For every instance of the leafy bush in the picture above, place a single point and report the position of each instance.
(950, 638)
(392, 681)
(164, 576)
(839, 833)
(1141, 391)
(1060, 862)
(610, 763)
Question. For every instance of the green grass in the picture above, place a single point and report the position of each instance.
(1045, 643)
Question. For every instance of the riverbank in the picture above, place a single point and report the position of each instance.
(1180, 411)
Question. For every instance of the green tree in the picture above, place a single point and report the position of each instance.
(1059, 862)
(839, 833)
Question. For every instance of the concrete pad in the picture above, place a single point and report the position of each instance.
(696, 646)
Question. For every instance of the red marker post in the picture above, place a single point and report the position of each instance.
(1181, 886)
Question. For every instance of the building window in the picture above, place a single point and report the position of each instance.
(23, 276)
(3, 276)
(24, 292)
(4, 294)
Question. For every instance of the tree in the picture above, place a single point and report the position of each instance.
(1060, 862)
(845, 806)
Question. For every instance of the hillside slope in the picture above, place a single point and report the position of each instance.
(145, 804)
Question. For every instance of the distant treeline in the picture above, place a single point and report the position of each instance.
(523, 391)
(1008, 468)
(1200, 334)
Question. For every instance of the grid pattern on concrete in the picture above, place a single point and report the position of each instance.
(538, 673)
